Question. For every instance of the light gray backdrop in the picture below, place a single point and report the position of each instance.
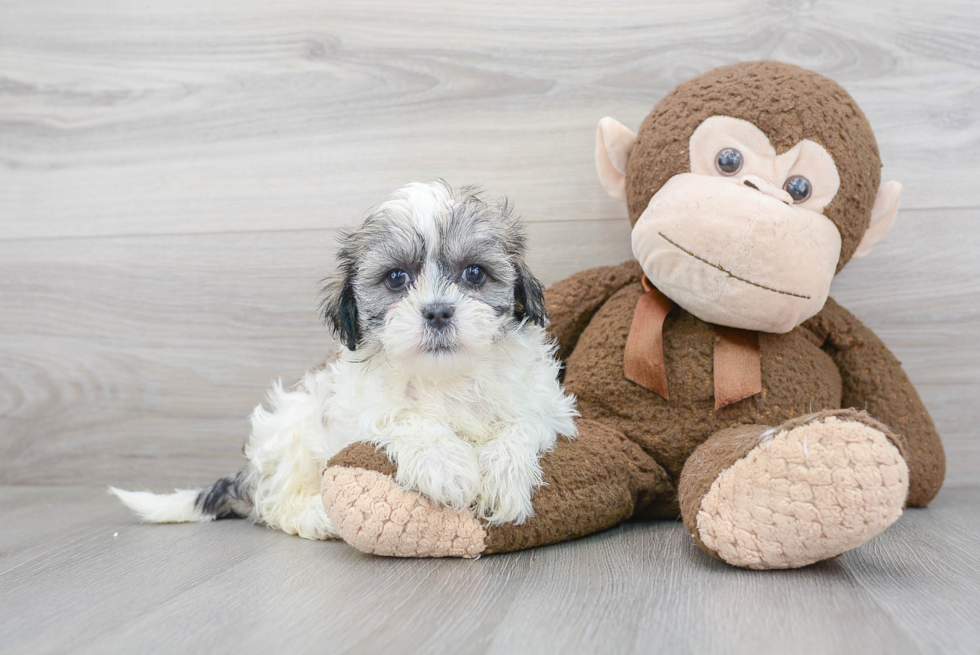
(173, 174)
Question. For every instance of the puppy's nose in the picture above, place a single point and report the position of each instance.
(438, 316)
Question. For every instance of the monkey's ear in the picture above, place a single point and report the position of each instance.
(340, 311)
(613, 144)
(882, 217)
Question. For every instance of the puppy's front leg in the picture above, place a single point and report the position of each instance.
(511, 471)
(435, 462)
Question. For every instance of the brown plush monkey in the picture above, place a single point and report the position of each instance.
(716, 378)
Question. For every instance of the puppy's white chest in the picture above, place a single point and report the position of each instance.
(365, 406)
(458, 406)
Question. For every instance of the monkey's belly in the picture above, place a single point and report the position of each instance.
(797, 378)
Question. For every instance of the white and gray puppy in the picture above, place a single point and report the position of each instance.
(442, 360)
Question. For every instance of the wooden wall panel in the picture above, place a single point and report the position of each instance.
(172, 177)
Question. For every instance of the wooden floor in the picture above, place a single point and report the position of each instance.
(172, 178)
(78, 574)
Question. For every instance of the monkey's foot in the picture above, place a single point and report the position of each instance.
(809, 490)
(375, 515)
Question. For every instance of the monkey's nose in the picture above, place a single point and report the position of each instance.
(757, 183)
(438, 316)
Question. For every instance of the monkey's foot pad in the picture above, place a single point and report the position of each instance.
(375, 515)
(803, 495)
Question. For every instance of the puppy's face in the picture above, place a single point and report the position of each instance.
(432, 279)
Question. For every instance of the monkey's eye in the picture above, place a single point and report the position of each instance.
(798, 187)
(396, 279)
(474, 275)
(729, 161)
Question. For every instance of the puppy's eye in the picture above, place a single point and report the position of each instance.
(474, 275)
(728, 161)
(397, 279)
(799, 188)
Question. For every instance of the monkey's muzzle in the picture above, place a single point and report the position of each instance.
(733, 256)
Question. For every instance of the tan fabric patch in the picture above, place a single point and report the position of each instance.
(733, 256)
(806, 158)
(375, 515)
(804, 495)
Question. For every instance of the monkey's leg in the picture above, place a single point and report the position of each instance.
(785, 497)
(591, 483)
(874, 380)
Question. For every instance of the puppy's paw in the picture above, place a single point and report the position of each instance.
(507, 503)
(510, 473)
(447, 473)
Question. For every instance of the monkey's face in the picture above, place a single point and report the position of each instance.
(741, 240)
(749, 187)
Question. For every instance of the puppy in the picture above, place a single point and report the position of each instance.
(442, 361)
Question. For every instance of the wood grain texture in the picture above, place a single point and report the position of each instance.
(78, 573)
(172, 176)
(189, 116)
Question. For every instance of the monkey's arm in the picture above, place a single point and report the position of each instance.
(874, 380)
(572, 302)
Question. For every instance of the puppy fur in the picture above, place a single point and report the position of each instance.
(465, 406)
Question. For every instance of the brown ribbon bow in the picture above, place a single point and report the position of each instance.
(737, 358)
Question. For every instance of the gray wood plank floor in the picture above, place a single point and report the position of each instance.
(172, 178)
(78, 574)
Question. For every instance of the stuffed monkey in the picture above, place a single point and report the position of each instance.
(716, 379)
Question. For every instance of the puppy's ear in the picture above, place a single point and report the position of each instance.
(529, 297)
(340, 310)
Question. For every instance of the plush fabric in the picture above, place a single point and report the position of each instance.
(795, 375)
(829, 362)
(720, 132)
(788, 104)
(375, 515)
(872, 379)
(591, 483)
(634, 445)
(613, 145)
(738, 365)
(852, 443)
(817, 487)
(643, 362)
(883, 216)
(706, 266)
(714, 457)
(572, 303)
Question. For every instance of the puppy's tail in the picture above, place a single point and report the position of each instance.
(228, 498)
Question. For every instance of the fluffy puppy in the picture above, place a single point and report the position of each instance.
(442, 360)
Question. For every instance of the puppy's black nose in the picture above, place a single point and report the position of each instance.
(438, 316)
